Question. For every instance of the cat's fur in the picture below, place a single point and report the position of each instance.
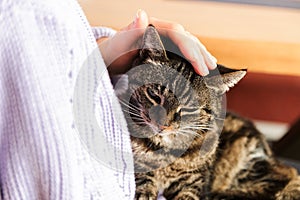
(180, 147)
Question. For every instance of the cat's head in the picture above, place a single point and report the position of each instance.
(166, 104)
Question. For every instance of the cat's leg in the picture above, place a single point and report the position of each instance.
(245, 165)
(291, 191)
(255, 175)
(146, 187)
(261, 179)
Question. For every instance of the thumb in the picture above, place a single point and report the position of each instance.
(126, 39)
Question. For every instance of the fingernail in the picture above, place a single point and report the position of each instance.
(140, 14)
(213, 61)
(204, 70)
(202, 66)
(137, 16)
(201, 63)
(214, 64)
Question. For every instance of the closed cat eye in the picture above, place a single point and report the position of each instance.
(150, 92)
(177, 115)
(153, 95)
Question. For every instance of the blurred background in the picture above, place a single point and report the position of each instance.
(261, 35)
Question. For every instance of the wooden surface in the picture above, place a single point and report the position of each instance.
(263, 39)
(258, 56)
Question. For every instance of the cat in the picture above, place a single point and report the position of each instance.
(184, 143)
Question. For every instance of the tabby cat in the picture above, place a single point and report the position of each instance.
(185, 146)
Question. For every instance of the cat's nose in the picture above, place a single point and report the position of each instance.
(158, 114)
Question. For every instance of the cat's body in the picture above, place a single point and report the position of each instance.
(241, 167)
(180, 147)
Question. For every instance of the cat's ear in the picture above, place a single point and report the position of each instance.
(152, 46)
(222, 78)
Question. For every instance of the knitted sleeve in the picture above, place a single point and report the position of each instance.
(49, 146)
(103, 32)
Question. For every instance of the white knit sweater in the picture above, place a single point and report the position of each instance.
(44, 45)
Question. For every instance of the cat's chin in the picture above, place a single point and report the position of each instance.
(171, 140)
(166, 137)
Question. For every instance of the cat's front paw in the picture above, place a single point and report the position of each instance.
(291, 191)
(187, 195)
(145, 189)
(145, 196)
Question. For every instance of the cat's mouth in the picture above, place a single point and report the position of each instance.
(161, 129)
(171, 138)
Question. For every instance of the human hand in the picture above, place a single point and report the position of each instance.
(120, 50)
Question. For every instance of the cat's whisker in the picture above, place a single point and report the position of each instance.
(203, 125)
(130, 106)
(142, 122)
(200, 129)
(137, 123)
(190, 129)
(196, 127)
(126, 104)
(200, 126)
(133, 117)
(184, 132)
(132, 113)
(200, 123)
(131, 110)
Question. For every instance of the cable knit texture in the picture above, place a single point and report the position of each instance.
(43, 47)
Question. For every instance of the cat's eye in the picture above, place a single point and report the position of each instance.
(153, 95)
(177, 115)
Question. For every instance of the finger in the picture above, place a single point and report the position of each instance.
(194, 51)
(140, 21)
(210, 60)
(191, 51)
